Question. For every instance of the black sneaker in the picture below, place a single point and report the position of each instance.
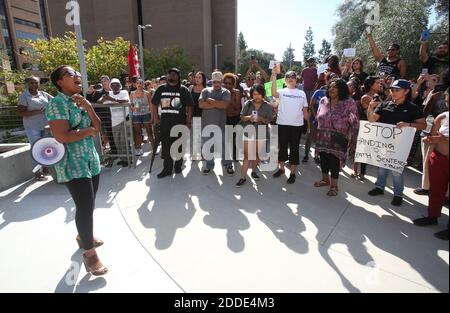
(278, 174)
(421, 192)
(443, 235)
(164, 174)
(178, 170)
(255, 176)
(230, 171)
(425, 221)
(305, 159)
(376, 192)
(291, 179)
(206, 171)
(241, 183)
(397, 201)
(317, 161)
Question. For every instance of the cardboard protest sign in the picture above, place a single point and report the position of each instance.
(384, 145)
(350, 53)
(268, 87)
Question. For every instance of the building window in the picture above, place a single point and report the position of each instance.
(43, 18)
(6, 34)
(27, 36)
(26, 23)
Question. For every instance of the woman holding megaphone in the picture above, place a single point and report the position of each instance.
(74, 122)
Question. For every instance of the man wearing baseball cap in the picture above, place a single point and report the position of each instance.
(400, 111)
(176, 105)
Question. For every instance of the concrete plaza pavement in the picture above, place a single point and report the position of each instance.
(194, 233)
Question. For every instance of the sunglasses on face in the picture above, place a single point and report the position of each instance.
(72, 73)
(391, 50)
(291, 76)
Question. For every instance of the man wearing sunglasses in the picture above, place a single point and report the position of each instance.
(391, 64)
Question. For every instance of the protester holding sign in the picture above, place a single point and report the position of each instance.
(337, 131)
(402, 113)
(391, 64)
(438, 168)
(292, 112)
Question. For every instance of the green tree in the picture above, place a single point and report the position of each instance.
(105, 58)
(400, 21)
(324, 51)
(289, 57)
(242, 44)
(309, 47)
(158, 63)
(263, 58)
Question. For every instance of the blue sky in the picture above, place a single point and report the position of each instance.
(270, 25)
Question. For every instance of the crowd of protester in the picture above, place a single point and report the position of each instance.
(325, 106)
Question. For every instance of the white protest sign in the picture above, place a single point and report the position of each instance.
(272, 64)
(322, 69)
(350, 53)
(384, 145)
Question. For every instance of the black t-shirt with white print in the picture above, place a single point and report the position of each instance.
(173, 101)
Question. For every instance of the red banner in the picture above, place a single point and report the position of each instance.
(133, 62)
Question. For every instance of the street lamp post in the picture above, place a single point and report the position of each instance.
(141, 49)
(217, 45)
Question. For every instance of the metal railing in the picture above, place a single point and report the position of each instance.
(116, 136)
(116, 140)
(11, 126)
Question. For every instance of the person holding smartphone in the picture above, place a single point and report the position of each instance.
(256, 112)
(439, 171)
(437, 63)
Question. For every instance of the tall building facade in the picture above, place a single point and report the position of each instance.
(194, 25)
(22, 20)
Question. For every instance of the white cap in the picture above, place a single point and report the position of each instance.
(115, 81)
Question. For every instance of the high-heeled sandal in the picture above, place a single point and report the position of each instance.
(93, 265)
(97, 242)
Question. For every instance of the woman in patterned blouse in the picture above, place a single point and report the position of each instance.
(74, 122)
(337, 133)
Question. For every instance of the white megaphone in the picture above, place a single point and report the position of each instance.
(48, 151)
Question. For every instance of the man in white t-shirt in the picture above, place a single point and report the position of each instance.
(118, 118)
(292, 112)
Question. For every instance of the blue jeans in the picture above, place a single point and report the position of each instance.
(33, 136)
(225, 163)
(398, 179)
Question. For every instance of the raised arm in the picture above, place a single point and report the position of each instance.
(375, 51)
(423, 52)
(276, 70)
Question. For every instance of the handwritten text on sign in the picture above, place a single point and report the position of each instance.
(384, 145)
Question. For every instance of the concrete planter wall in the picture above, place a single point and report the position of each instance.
(15, 164)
